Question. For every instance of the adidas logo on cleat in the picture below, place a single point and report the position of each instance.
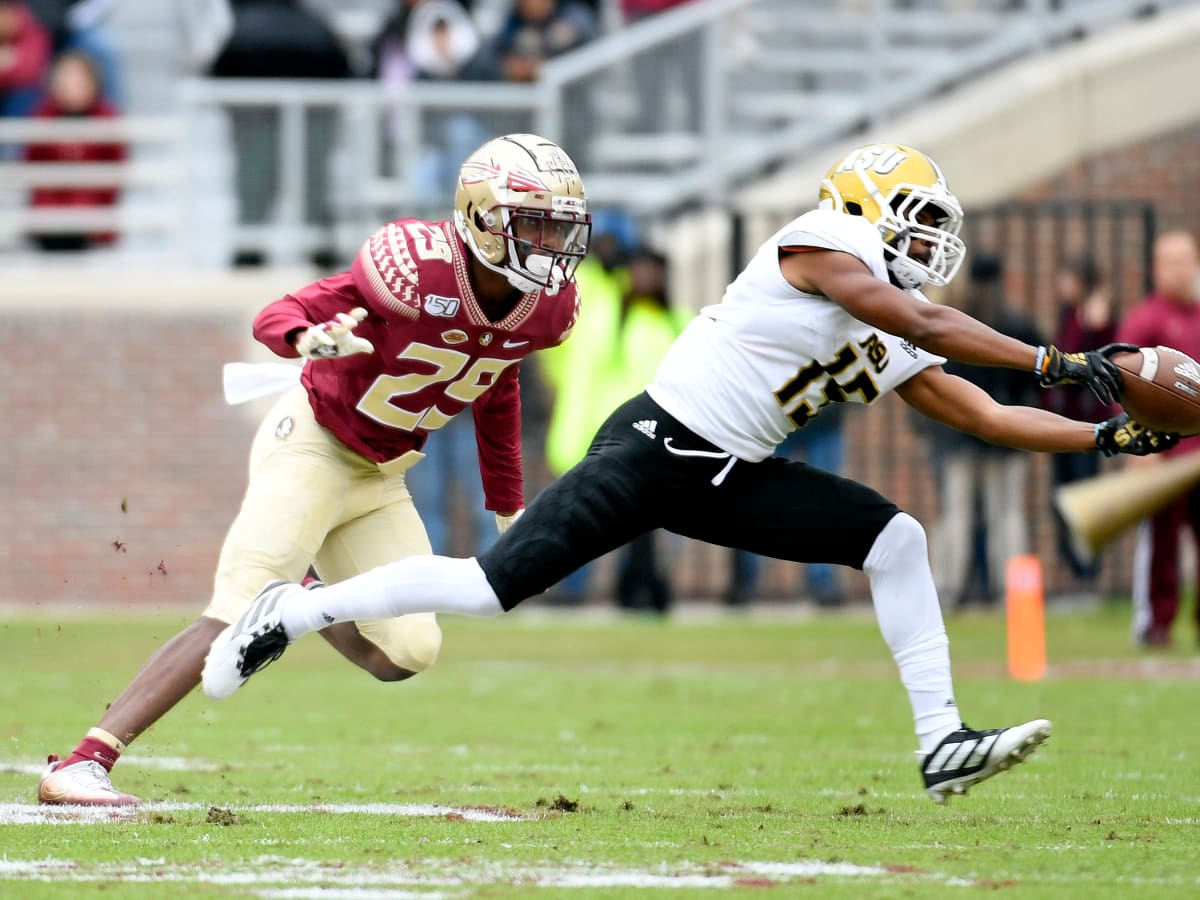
(966, 757)
(647, 427)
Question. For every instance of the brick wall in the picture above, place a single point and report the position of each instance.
(123, 464)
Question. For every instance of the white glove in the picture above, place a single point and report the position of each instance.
(503, 523)
(334, 338)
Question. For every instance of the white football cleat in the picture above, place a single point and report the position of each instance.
(967, 757)
(85, 783)
(249, 644)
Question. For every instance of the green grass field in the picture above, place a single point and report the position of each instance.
(568, 757)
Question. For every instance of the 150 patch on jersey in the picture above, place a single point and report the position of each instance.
(446, 307)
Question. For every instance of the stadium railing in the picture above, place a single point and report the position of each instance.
(152, 181)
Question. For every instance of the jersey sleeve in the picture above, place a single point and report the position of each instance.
(497, 415)
(824, 229)
(387, 270)
(315, 303)
(566, 323)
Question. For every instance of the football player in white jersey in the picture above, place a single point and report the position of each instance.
(828, 310)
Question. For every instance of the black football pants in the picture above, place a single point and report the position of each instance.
(662, 475)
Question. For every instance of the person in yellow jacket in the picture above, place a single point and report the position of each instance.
(647, 329)
(624, 327)
(574, 371)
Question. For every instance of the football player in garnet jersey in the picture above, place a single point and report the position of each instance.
(829, 310)
(433, 317)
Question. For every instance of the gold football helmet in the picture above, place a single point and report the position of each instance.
(903, 192)
(521, 209)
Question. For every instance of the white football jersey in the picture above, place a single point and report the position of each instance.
(768, 357)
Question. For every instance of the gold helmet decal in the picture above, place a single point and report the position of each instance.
(521, 209)
(903, 192)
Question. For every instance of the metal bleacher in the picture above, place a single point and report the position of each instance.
(673, 112)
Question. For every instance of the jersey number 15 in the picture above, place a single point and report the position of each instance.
(834, 391)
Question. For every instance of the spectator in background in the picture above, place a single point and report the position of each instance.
(24, 56)
(424, 39)
(1170, 316)
(982, 485)
(74, 92)
(645, 332)
(661, 69)
(433, 40)
(204, 26)
(1085, 320)
(82, 25)
(578, 370)
(537, 31)
(819, 443)
(280, 39)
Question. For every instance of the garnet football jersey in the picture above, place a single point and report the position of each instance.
(436, 352)
(768, 357)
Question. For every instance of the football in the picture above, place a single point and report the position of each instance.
(1162, 389)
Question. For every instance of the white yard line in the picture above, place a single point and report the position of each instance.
(301, 878)
(163, 763)
(297, 878)
(321, 893)
(31, 814)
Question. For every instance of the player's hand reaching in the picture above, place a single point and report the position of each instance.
(1121, 434)
(334, 338)
(1094, 368)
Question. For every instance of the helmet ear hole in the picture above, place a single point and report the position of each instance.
(853, 208)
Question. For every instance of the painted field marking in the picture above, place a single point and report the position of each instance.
(162, 763)
(294, 874)
(33, 814)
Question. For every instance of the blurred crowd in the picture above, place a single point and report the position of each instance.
(58, 60)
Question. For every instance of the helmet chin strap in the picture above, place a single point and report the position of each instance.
(906, 273)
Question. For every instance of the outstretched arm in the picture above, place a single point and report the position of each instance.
(846, 280)
(956, 402)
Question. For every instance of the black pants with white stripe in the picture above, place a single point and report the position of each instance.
(632, 482)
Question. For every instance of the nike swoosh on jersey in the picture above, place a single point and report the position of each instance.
(508, 345)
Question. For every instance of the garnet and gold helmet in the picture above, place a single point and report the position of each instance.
(903, 192)
(521, 209)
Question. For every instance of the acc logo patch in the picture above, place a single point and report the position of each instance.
(285, 428)
(454, 336)
(446, 307)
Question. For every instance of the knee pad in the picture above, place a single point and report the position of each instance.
(418, 651)
(902, 541)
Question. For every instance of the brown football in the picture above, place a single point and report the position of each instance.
(1162, 388)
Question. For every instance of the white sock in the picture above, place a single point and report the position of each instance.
(906, 607)
(437, 584)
